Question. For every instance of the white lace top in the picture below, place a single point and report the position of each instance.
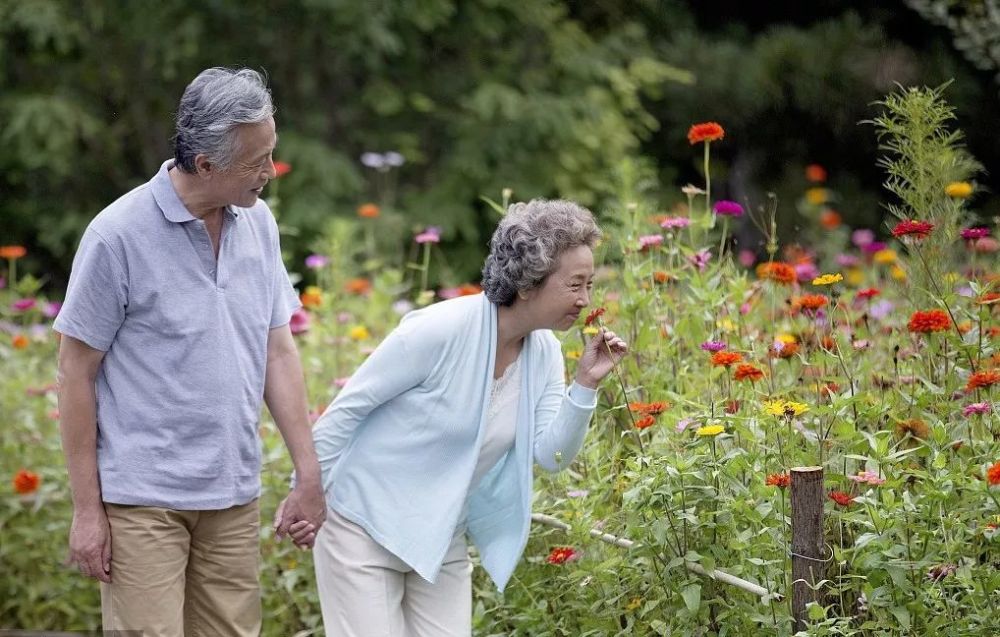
(501, 420)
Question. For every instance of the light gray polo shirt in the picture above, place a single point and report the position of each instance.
(179, 391)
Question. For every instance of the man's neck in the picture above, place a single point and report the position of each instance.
(186, 187)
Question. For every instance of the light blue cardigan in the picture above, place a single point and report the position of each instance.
(399, 444)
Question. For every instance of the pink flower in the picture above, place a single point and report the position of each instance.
(976, 409)
(430, 235)
(873, 247)
(577, 493)
(51, 309)
(713, 346)
(975, 233)
(340, 382)
(299, 322)
(867, 477)
(746, 258)
(649, 241)
(23, 305)
(727, 208)
(806, 271)
(985, 245)
(675, 222)
(862, 237)
(316, 261)
(847, 260)
(684, 423)
(745, 309)
(700, 259)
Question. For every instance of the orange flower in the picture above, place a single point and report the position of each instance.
(281, 168)
(19, 341)
(725, 359)
(780, 480)
(924, 322)
(705, 132)
(993, 474)
(657, 408)
(12, 252)
(312, 297)
(990, 298)
(645, 421)
(358, 286)
(815, 173)
(777, 271)
(828, 343)
(748, 372)
(914, 427)
(661, 277)
(812, 302)
(368, 211)
(830, 219)
(982, 380)
(26, 482)
(788, 350)
(593, 316)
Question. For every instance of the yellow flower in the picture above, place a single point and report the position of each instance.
(898, 273)
(726, 325)
(958, 189)
(590, 329)
(359, 333)
(817, 196)
(885, 257)
(951, 277)
(710, 430)
(828, 279)
(855, 277)
(573, 354)
(787, 339)
(785, 408)
(312, 297)
(634, 604)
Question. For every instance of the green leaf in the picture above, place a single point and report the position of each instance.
(692, 597)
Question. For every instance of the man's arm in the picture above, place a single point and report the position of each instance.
(285, 395)
(90, 536)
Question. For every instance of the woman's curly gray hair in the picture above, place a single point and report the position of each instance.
(527, 244)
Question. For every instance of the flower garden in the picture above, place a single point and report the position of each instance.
(872, 354)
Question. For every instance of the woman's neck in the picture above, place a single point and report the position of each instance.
(513, 324)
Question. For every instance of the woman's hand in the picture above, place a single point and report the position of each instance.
(599, 357)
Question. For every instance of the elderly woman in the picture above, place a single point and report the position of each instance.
(434, 437)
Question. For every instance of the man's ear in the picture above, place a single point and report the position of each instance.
(203, 166)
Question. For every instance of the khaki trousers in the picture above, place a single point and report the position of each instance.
(366, 591)
(183, 573)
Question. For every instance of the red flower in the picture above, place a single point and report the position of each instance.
(731, 406)
(26, 482)
(982, 379)
(561, 555)
(705, 132)
(812, 302)
(281, 168)
(593, 316)
(918, 229)
(358, 286)
(868, 293)
(777, 271)
(725, 359)
(841, 498)
(815, 173)
(645, 421)
(830, 219)
(657, 408)
(12, 252)
(993, 475)
(924, 322)
(746, 371)
(368, 211)
(780, 480)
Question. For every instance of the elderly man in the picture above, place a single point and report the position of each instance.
(175, 326)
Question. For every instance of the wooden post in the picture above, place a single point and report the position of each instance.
(808, 566)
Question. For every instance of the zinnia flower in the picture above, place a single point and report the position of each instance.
(780, 480)
(645, 421)
(914, 427)
(26, 482)
(982, 380)
(662, 277)
(725, 359)
(316, 261)
(841, 498)
(976, 409)
(650, 241)
(299, 322)
(12, 252)
(971, 234)
(828, 279)
(941, 571)
(925, 322)
(830, 219)
(916, 229)
(777, 271)
(958, 189)
(359, 286)
(368, 211)
(783, 349)
(359, 333)
(593, 316)
(993, 475)
(727, 208)
(19, 341)
(281, 168)
(312, 297)
(710, 430)
(700, 258)
(713, 346)
(785, 408)
(675, 222)
(862, 237)
(748, 372)
(23, 305)
(867, 477)
(430, 235)
(705, 132)
(867, 293)
(561, 555)
(812, 302)
(815, 173)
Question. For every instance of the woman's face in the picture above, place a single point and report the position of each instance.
(558, 301)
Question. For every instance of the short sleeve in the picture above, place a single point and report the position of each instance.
(97, 295)
(286, 301)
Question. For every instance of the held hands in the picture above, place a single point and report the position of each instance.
(300, 515)
(599, 357)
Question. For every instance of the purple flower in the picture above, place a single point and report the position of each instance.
(806, 271)
(873, 247)
(881, 309)
(700, 259)
(847, 260)
(51, 309)
(23, 305)
(316, 261)
(713, 346)
(430, 235)
(977, 409)
(684, 423)
(727, 208)
(975, 233)
(675, 222)
(649, 241)
(862, 237)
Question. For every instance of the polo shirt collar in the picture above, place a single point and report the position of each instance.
(169, 202)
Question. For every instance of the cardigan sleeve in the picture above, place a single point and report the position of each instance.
(561, 418)
(404, 360)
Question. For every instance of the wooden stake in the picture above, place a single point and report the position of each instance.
(808, 565)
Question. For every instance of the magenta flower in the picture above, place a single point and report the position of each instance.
(867, 477)
(746, 258)
(430, 235)
(727, 208)
(675, 222)
(316, 261)
(970, 234)
(873, 247)
(806, 271)
(23, 305)
(977, 409)
(713, 346)
(300, 321)
(51, 309)
(700, 259)
(649, 241)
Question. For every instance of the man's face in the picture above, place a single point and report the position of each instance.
(242, 182)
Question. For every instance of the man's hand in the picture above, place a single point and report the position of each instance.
(90, 544)
(301, 514)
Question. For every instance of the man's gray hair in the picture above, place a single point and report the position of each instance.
(527, 244)
(214, 104)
